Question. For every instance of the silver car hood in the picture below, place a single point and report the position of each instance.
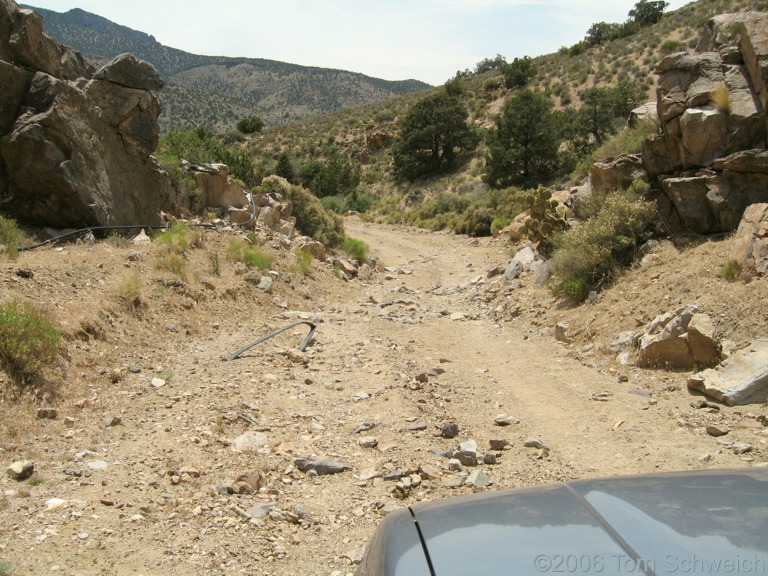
(712, 522)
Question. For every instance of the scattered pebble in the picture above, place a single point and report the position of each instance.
(716, 431)
(368, 442)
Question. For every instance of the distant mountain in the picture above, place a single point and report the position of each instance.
(216, 91)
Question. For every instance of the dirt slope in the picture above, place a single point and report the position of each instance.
(426, 338)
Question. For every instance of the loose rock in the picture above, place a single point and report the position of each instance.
(322, 467)
(478, 479)
(368, 442)
(21, 470)
(250, 441)
(498, 443)
(449, 430)
(505, 420)
(716, 431)
(536, 443)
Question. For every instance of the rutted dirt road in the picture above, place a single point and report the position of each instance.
(136, 477)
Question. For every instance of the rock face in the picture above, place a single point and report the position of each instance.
(76, 144)
(740, 380)
(709, 161)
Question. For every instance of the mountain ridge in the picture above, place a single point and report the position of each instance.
(203, 91)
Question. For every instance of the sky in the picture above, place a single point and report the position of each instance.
(427, 40)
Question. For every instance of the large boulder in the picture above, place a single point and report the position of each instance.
(617, 173)
(75, 145)
(714, 200)
(695, 131)
(750, 245)
(686, 81)
(647, 111)
(740, 380)
(219, 190)
(690, 197)
(679, 340)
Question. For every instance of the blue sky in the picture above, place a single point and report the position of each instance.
(392, 39)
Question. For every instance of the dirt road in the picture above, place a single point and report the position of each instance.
(418, 343)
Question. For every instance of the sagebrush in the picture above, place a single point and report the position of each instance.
(589, 255)
(29, 341)
(357, 249)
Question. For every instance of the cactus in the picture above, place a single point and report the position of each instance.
(546, 216)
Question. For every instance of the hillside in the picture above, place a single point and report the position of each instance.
(366, 133)
(217, 91)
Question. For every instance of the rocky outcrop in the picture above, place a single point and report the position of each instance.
(218, 190)
(708, 162)
(221, 195)
(76, 144)
(679, 340)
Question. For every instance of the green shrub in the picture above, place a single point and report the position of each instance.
(172, 262)
(499, 224)
(356, 249)
(311, 218)
(573, 288)
(250, 124)
(215, 265)
(171, 246)
(257, 259)
(303, 263)
(201, 146)
(29, 342)
(385, 115)
(240, 250)
(11, 237)
(235, 249)
(475, 221)
(731, 271)
(176, 237)
(671, 46)
(118, 241)
(333, 204)
(358, 202)
(591, 254)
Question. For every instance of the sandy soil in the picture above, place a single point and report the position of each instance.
(140, 470)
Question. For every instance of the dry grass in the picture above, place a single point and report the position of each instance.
(720, 98)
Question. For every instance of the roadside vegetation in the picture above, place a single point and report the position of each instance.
(29, 342)
(469, 155)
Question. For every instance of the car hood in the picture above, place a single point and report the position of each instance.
(693, 522)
